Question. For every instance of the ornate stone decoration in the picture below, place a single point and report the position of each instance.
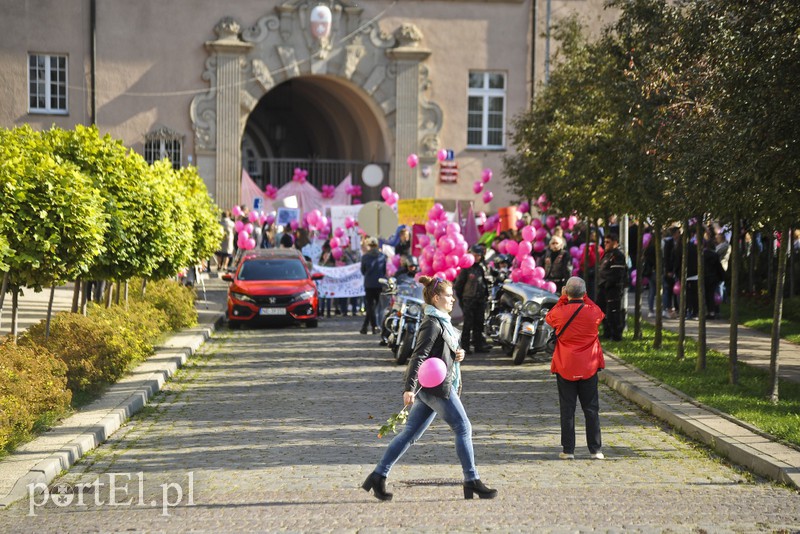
(408, 35)
(228, 28)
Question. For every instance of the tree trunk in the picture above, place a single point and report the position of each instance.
(596, 260)
(3, 290)
(85, 298)
(701, 296)
(126, 294)
(109, 293)
(769, 249)
(144, 286)
(776, 316)
(681, 353)
(792, 260)
(49, 312)
(119, 287)
(637, 309)
(658, 280)
(751, 265)
(14, 311)
(76, 296)
(734, 265)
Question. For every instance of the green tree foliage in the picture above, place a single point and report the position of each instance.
(172, 239)
(55, 212)
(206, 230)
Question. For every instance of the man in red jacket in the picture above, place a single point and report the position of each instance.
(577, 359)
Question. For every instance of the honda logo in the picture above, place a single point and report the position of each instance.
(273, 300)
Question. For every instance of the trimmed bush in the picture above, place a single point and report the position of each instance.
(99, 348)
(33, 389)
(174, 299)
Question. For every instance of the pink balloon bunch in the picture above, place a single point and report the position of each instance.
(243, 240)
(271, 191)
(353, 190)
(338, 243)
(253, 216)
(328, 191)
(443, 248)
(300, 175)
(412, 160)
(349, 222)
(389, 196)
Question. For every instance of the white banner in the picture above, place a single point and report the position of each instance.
(340, 282)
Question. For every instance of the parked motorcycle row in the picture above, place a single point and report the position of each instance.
(514, 318)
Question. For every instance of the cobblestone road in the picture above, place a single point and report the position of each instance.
(275, 429)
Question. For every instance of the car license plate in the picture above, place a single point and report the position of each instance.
(272, 311)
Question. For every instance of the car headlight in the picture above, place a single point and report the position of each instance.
(304, 295)
(242, 297)
(413, 309)
(531, 308)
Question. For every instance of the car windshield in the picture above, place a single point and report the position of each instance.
(274, 269)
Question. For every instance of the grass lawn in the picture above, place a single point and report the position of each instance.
(756, 312)
(746, 401)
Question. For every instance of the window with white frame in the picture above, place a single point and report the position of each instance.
(47, 83)
(164, 143)
(486, 110)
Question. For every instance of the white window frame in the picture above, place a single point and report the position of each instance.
(485, 93)
(48, 84)
(160, 138)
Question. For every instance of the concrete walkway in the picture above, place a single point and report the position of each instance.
(42, 460)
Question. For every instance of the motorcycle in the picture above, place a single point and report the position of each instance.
(516, 319)
(402, 316)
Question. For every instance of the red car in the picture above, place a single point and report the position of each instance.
(272, 285)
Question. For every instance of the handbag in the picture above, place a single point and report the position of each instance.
(550, 345)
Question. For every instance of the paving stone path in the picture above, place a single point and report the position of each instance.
(275, 429)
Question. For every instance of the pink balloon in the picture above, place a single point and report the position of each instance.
(461, 248)
(391, 269)
(431, 372)
(550, 221)
(238, 225)
(423, 240)
(541, 234)
(536, 223)
(451, 260)
(717, 299)
(646, 239)
(252, 216)
(248, 228)
(467, 261)
(431, 226)
(564, 224)
(538, 246)
(349, 222)
(445, 244)
(487, 196)
(550, 286)
(486, 175)
(450, 273)
(501, 246)
(516, 275)
(337, 253)
(412, 160)
(676, 289)
(524, 207)
(236, 211)
(395, 260)
(524, 249)
(441, 155)
(323, 222)
(294, 224)
(512, 247)
(339, 232)
(270, 218)
(251, 244)
(453, 229)
(395, 198)
(572, 220)
(538, 272)
(386, 192)
(528, 233)
(477, 187)
(334, 242)
(574, 252)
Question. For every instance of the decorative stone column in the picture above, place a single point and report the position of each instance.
(407, 57)
(229, 51)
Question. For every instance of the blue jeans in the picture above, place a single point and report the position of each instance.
(422, 413)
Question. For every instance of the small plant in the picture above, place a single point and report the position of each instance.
(395, 419)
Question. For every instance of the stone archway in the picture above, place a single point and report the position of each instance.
(243, 65)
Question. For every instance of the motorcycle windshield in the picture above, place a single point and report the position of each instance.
(529, 292)
(411, 290)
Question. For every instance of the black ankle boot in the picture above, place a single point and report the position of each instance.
(476, 486)
(377, 484)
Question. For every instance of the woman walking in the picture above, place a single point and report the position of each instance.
(436, 338)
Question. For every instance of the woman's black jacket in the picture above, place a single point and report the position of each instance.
(430, 344)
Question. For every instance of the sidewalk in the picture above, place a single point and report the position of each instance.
(43, 459)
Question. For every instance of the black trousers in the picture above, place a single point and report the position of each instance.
(610, 301)
(568, 394)
(474, 314)
(371, 298)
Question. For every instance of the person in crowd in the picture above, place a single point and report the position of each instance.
(409, 265)
(326, 259)
(557, 263)
(576, 361)
(723, 250)
(669, 250)
(373, 267)
(588, 271)
(649, 273)
(403, 246)
(501, 266)
(287, 241)
(713, 276)
(436, 338)
(226, 246)
(472, 290)
(612, 277)
(268, 232)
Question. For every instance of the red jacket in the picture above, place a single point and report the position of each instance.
(578, 353)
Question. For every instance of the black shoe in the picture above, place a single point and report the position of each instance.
(383, 343)
(483, 348)
(363, 330)
(476, 486)
(376, 330)
(377, 484)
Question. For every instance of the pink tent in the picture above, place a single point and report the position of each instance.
(308, 197)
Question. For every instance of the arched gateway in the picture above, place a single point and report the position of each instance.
(278, 95)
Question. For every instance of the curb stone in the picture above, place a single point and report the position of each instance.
(727, 436)
(96, 426)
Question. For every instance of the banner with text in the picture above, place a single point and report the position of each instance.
(340, 282)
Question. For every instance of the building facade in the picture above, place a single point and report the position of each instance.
(256, 84)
